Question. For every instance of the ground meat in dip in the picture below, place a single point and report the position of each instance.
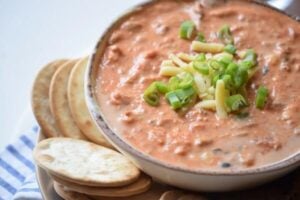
(197, 139)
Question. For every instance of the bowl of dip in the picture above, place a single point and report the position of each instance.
(200, 97)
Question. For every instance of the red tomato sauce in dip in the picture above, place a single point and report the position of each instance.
(197, 139)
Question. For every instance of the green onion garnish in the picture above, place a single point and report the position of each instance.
(200, 37)
(226, 59)
(261, 97)
(225, 35)
(186, 81)
(230, 48)
(173, 100)
(161, 87)
(151, 95)
(216, 65)
(228, 82)
(236, 102)
(201, 67)
(241, 77)
(173, 83)
(187, 29)
(180, 97)
(185, 95)
(201, 57)
(181, 86)
(216, 78)
(250, 59)
(247, 64)
(217, 74)
(232, 69)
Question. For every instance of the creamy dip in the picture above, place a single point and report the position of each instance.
(197, 139)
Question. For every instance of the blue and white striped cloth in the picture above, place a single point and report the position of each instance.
(17, 171)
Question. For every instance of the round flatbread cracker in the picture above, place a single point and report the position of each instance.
(78, 105)
(40, 99)
(59, 102)
(152, 194)
(84, 162)
(67, 194)
(139, 186)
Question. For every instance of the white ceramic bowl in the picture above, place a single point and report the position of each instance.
(198, 180)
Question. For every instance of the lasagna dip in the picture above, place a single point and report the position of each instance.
(204, 87)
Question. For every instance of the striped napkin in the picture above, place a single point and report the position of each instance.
(17, 171)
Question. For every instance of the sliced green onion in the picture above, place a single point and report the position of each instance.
(219, 77)
(226, 59)
(216, 65)
(173, 83)
(225, 35)
(189, 91)
(241, 77)
(200, 37)
(228, 82)
(180, 97)
(185, 95)
(230, 48)
(247, 64)
(201, 57)
(173, 100)
(201, 67)
(232, 69)
(187, 29)
(261, 97)
(250, 58)
(236, 102)
(151, 95)
(216, 78)
(161, 87)
(186, 80)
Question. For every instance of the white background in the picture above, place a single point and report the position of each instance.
(34, 32)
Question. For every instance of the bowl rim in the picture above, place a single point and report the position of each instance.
(95, 111)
